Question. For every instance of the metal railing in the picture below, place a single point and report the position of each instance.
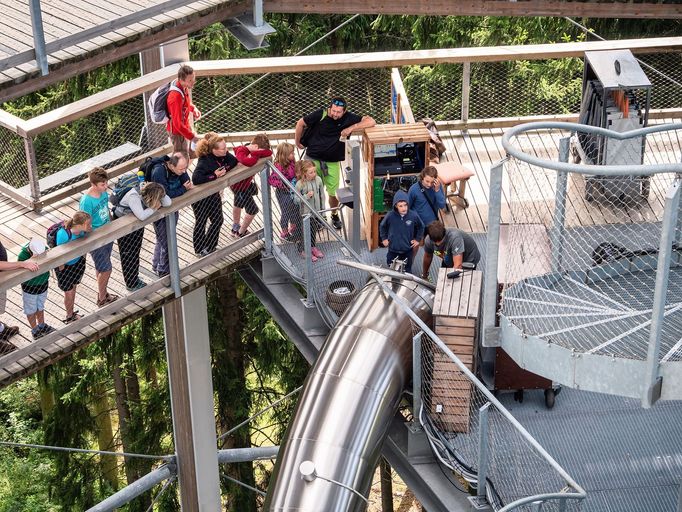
(493, 445)
(456, 86)
(592, 261)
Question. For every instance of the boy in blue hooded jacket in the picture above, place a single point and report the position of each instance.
(401, 230)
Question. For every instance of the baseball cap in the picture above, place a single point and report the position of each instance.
(37, 246)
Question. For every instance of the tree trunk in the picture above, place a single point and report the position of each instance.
(123, 411)
(229, 359)
(105, 434)
(47, 400)
(386, 486)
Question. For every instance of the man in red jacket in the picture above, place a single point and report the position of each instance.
(180, 107)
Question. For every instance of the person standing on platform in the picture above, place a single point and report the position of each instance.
(401, 230)
(426, 196)
(320, 132)
(95, 201)
(172, 175)
(7, 331)
(180, 107)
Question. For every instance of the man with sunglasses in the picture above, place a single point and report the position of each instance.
(323, 129)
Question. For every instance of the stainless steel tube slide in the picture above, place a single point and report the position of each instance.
(350, 396)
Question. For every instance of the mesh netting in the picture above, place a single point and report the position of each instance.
(451, 415)
(581, 250)
(13, 167)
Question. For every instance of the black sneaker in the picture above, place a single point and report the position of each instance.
(8, 332)
(336, 222)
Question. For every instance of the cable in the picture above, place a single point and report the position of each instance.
(258, 491)
(158, 495)
(82, 450)
(246, 88)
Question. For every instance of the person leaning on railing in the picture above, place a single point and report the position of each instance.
(7, 331)
(172, 175)
(142, 204)
(214, 162)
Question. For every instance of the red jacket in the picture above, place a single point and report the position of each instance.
(249, 159)
(179, 107)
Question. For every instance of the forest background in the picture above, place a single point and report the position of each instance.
(113, 395)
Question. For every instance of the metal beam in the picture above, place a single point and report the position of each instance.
(39, 52)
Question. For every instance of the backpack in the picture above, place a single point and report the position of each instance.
(157, 103)
(51, 236)
(125, 184)
(148, 165)
(308, 130)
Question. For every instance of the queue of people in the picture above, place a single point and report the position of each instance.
(412, 223)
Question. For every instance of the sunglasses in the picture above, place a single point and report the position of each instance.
(339, 103)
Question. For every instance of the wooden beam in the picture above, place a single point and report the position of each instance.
(590, 9)
(337, 62)
(31, 81)
(12, 123)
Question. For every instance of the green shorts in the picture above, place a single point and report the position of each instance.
(331, 177)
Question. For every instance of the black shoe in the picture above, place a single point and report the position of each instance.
(336, 222)
(8, 332)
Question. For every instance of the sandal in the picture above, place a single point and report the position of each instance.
(107, 300)
(75, 316)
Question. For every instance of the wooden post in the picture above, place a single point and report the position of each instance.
(191, 388)
(32, 167)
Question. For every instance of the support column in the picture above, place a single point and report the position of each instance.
(189, 371)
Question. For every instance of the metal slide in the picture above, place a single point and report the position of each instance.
(327, 461)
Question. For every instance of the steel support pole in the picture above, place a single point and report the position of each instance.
(267, 210)
(38, 36)
(357, 200)
(652, 383)
(173, 261)
(307, 247)
(492, 254)
(482, 449)
(559, 220)
(234, 455)
(417, 376)
(191, 389)
(466, 90)
(135, 489)
(258, 13)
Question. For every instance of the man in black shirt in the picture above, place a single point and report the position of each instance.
(320, 131)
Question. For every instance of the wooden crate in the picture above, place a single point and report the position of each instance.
(455, 312)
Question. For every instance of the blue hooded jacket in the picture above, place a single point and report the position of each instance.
(420, 204)
(400, 230)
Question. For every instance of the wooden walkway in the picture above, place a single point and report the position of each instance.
(478, 149)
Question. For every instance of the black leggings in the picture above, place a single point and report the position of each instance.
(129, 248)
(208, 209)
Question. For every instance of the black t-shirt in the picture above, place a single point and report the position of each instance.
(3, 252)
(324, 143)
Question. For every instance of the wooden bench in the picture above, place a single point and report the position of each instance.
(80, 170)
(454, 176)
(455, 317)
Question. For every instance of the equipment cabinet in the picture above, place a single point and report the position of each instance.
(395, 155)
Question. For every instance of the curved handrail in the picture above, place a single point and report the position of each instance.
(607, 170)
(558, 496)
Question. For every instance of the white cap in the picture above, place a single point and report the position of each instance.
(37, 246)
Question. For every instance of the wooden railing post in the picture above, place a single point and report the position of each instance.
(32, 168)
(466, 90)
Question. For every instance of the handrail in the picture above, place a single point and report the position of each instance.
(113, 230)
(608, 170)
(122, 92)
(580, 492)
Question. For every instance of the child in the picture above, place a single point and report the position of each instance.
(70, 274)
(246, 189)
(401, 231)
(310, 186)
(96, 202)
(284, 162)
(142, 204)
(34, 292)
(7, 331)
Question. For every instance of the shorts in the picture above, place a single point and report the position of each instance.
(102, 257)
(180, 143)
(71, 276)
(34, 302)
(244, 199)
(330, 178)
